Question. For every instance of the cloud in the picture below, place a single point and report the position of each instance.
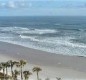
(22, 4)
(30, 4)
(11, 4)
(14, 4)
(3, 4)
(18, 4)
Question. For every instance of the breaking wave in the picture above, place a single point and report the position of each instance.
(60, 41)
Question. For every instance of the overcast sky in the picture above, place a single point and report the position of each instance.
(42, 7)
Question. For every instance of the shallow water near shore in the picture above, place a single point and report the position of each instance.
(64, 35)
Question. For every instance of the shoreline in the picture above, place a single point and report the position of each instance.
(53, 64)
(43, 50)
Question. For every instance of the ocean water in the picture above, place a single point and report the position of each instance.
(60, 35)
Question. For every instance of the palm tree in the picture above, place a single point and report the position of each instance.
(27, 74)
(15, 74)
(37, 69)
(7, 66)
(3, 64)
(12, 63)
(58, 78)
(21, 64)
(0, 67)
(47, 79)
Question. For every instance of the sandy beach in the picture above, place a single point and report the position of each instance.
(53, 65)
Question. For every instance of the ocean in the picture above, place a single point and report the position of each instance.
(56, 34)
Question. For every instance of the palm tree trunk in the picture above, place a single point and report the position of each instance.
(11, 71)
(21, 74)
(16, 77)
(37, 76)
(25, 78)
(4, 73)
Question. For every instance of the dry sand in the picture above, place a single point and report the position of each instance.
(53, 65)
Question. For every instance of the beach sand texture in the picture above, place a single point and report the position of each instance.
(53, 65)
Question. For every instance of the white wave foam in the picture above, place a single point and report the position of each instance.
(13, 29)
(57, 41)
(49, 47)
(65, 41)
(52, 40)
(50, 44)
(21, 30)
(37, 31)
(62, 41)
(29, 37)
(43, 31)
(25, 37)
